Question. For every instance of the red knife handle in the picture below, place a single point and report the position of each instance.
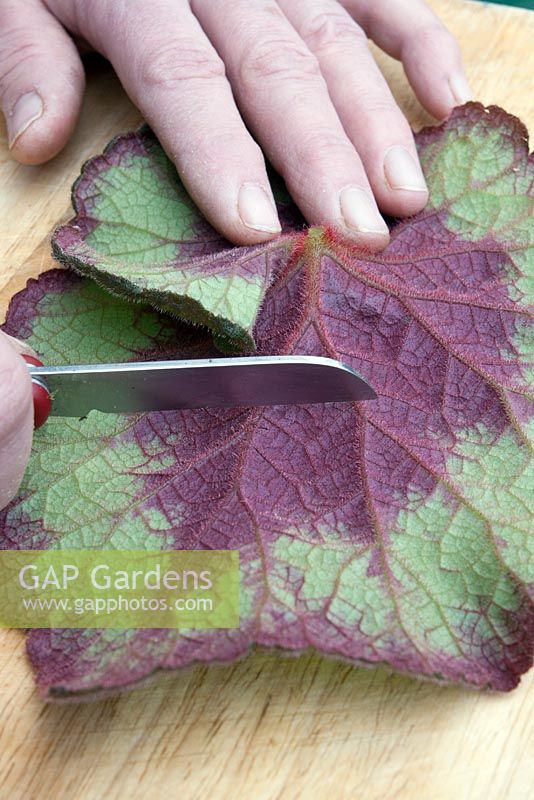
(42, 400)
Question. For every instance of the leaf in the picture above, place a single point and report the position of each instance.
(138, 233)
(398, 530)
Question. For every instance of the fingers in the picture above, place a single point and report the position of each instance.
(16, 420)
(41, 80)
(410, 31)
(174, 75)
(284, 99)
(373, 121)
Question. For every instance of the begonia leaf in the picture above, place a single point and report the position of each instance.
(138, 233)
(394, 531)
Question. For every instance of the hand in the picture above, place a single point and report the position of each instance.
(300, 74)
(16, 417)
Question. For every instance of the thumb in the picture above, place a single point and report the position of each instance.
(16, 419)
(41, 80)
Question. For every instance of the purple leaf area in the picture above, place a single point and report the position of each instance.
(394, 531)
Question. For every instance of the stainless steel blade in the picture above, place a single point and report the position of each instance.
(213, 382)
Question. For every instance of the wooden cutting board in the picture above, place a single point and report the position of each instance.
(268, 727)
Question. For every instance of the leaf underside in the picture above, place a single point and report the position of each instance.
(396, 531)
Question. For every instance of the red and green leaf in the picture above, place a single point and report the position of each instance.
(138, 233)
(398, 530)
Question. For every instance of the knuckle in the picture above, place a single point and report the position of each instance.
(449, 41)
(382, 107)
(170, 65)
(431, 33)
(15, 54)
(229, 140)
(278, 59)
(331, 31)
(24, 56)
(322, 146)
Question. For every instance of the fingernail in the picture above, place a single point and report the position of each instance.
(402, 171)
(359, 211)
(26, 110)
(460, 89)
(256, 209)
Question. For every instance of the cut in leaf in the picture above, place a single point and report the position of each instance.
(397, 530)
(138, 233)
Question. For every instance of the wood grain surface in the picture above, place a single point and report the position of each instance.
(270, 726)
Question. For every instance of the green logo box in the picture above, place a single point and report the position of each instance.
(119, 588)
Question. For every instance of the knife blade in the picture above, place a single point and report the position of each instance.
(200, 383)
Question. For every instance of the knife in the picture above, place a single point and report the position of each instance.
(74, 391)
